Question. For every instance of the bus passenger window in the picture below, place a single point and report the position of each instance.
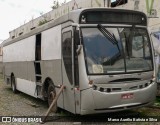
(67, 54)
(38, 47)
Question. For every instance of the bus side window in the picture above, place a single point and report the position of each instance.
(67, 54)
(38, 47)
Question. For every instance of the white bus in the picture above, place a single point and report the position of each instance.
(104, 58)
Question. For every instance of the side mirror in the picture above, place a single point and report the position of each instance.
(77, 37)
(79, 49)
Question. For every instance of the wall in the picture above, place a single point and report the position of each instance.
(148, 9)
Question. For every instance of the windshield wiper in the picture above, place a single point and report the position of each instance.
(112, 39)
(107, 34)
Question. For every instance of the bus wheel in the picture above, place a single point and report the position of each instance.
(51, 96)
(13, 84)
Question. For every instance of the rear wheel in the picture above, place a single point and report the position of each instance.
(13, 84)
(51, 96)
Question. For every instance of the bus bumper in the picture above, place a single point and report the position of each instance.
(94, 101)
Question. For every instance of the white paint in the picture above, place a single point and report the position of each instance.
(26, 86)
(23, 50)
(51, 43)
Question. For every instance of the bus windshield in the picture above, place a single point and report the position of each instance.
(116, 50)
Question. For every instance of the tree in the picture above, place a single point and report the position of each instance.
(55, 5)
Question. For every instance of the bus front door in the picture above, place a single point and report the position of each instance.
(68, 69)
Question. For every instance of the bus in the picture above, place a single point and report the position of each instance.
(104, 58)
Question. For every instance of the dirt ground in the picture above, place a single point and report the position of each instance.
(23, 105)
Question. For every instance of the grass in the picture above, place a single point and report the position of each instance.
(157, 102)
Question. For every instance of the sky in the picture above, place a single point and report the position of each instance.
(14, 13)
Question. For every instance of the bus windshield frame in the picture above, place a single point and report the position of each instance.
(128, 47)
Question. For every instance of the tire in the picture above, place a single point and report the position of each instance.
(13, 84)
(51, 96)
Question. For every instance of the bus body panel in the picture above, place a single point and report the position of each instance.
(51, 43)
(26, 86)
(52, 69)
(67, 69)
(51, 58)
(9, 68)
(24, 70)
(83, 78)
(18, 59)
(99, 102)
(51, 55)
(115, 99)
(20, 51)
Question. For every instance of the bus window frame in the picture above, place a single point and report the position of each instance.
(72, 80)
(76, 43)
(75, 79)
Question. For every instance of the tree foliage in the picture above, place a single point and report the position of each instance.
(56, 4)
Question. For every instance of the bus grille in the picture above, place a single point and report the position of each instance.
(109, 90)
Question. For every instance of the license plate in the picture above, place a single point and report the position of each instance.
(127, 96)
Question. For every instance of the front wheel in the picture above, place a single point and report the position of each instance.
(13, 84)
(51, 96)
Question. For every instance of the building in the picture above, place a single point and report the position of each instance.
(1, 53)
(150, 7)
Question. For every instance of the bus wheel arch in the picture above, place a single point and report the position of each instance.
(13, 83)
(49, 92)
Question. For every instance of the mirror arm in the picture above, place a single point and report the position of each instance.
(79, 49)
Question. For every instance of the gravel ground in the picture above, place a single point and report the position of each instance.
(23, 105)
